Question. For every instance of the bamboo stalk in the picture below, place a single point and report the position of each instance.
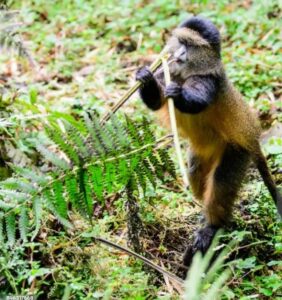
(154, 66)
(174, 126)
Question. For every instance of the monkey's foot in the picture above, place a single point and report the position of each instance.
(202, 241)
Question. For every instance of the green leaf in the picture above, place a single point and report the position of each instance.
(37, 215)
(97, 178)
(23, 223)
(11, 227)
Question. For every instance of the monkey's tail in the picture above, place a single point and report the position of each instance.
(269, 182)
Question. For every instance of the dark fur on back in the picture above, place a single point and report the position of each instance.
(206, 29)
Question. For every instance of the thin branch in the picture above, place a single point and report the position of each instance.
(174, 126)
(144, 259)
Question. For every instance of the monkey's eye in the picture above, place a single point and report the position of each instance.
(183, 41)
(186, 43)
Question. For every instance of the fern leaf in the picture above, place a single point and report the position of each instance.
(5, 206)
(18, 184)
(149, 172)
(88, 195)
(132, 186)
(134, 133)
(11, 227)
(59, 200)
(97, 146)
(123, 171)
(23, 223)
(77, 140)
(37, 215)
(52, 157)
(141, 178)
(110, 174)
(148, 135)
(83, 201)
(158, 167)
(97, 179)
(2, 237)
(104, 139)
(13, 195)
(51, 205)
(56, 136)
(120, 132)
(167, 162)
(27, 173)
(71, 188)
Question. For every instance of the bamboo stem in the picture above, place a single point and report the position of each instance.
(174, 126)
(154, 66)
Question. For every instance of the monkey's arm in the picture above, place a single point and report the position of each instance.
(151, 91)
(195, 95)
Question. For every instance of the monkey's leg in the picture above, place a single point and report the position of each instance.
(196, 175)
(222, 187)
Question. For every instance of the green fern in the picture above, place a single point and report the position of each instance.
(86, 162)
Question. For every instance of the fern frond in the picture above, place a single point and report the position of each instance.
(5, 205)
(100, 135)
(53, 157)
(120, 132)
(157, 165)
(10, 220)
(123, 171)
(58, 199)
(23, 223)
(20, 184)
(96, 177)
(13, 195)
(148, 135)
(167, 162)
(37, 215)
(76, 140)
(33, 176)
(85, 207)
(110, 176)
(2, 236)
(148, 170)
(94, 139)
(71, 189)
(100, 160)
(56, 135)
(133, 132)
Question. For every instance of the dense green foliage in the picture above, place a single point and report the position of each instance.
(93, 161)
(86, 53)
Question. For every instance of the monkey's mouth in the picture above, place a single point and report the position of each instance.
(179, 61)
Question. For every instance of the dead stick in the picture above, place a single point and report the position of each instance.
(144, 259)
(174, 126)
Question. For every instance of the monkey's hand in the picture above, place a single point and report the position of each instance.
(144, 75)
(150, 90)
(173, 90)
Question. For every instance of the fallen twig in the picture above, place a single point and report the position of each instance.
(144, 259)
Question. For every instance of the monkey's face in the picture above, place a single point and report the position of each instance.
(191, 53)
